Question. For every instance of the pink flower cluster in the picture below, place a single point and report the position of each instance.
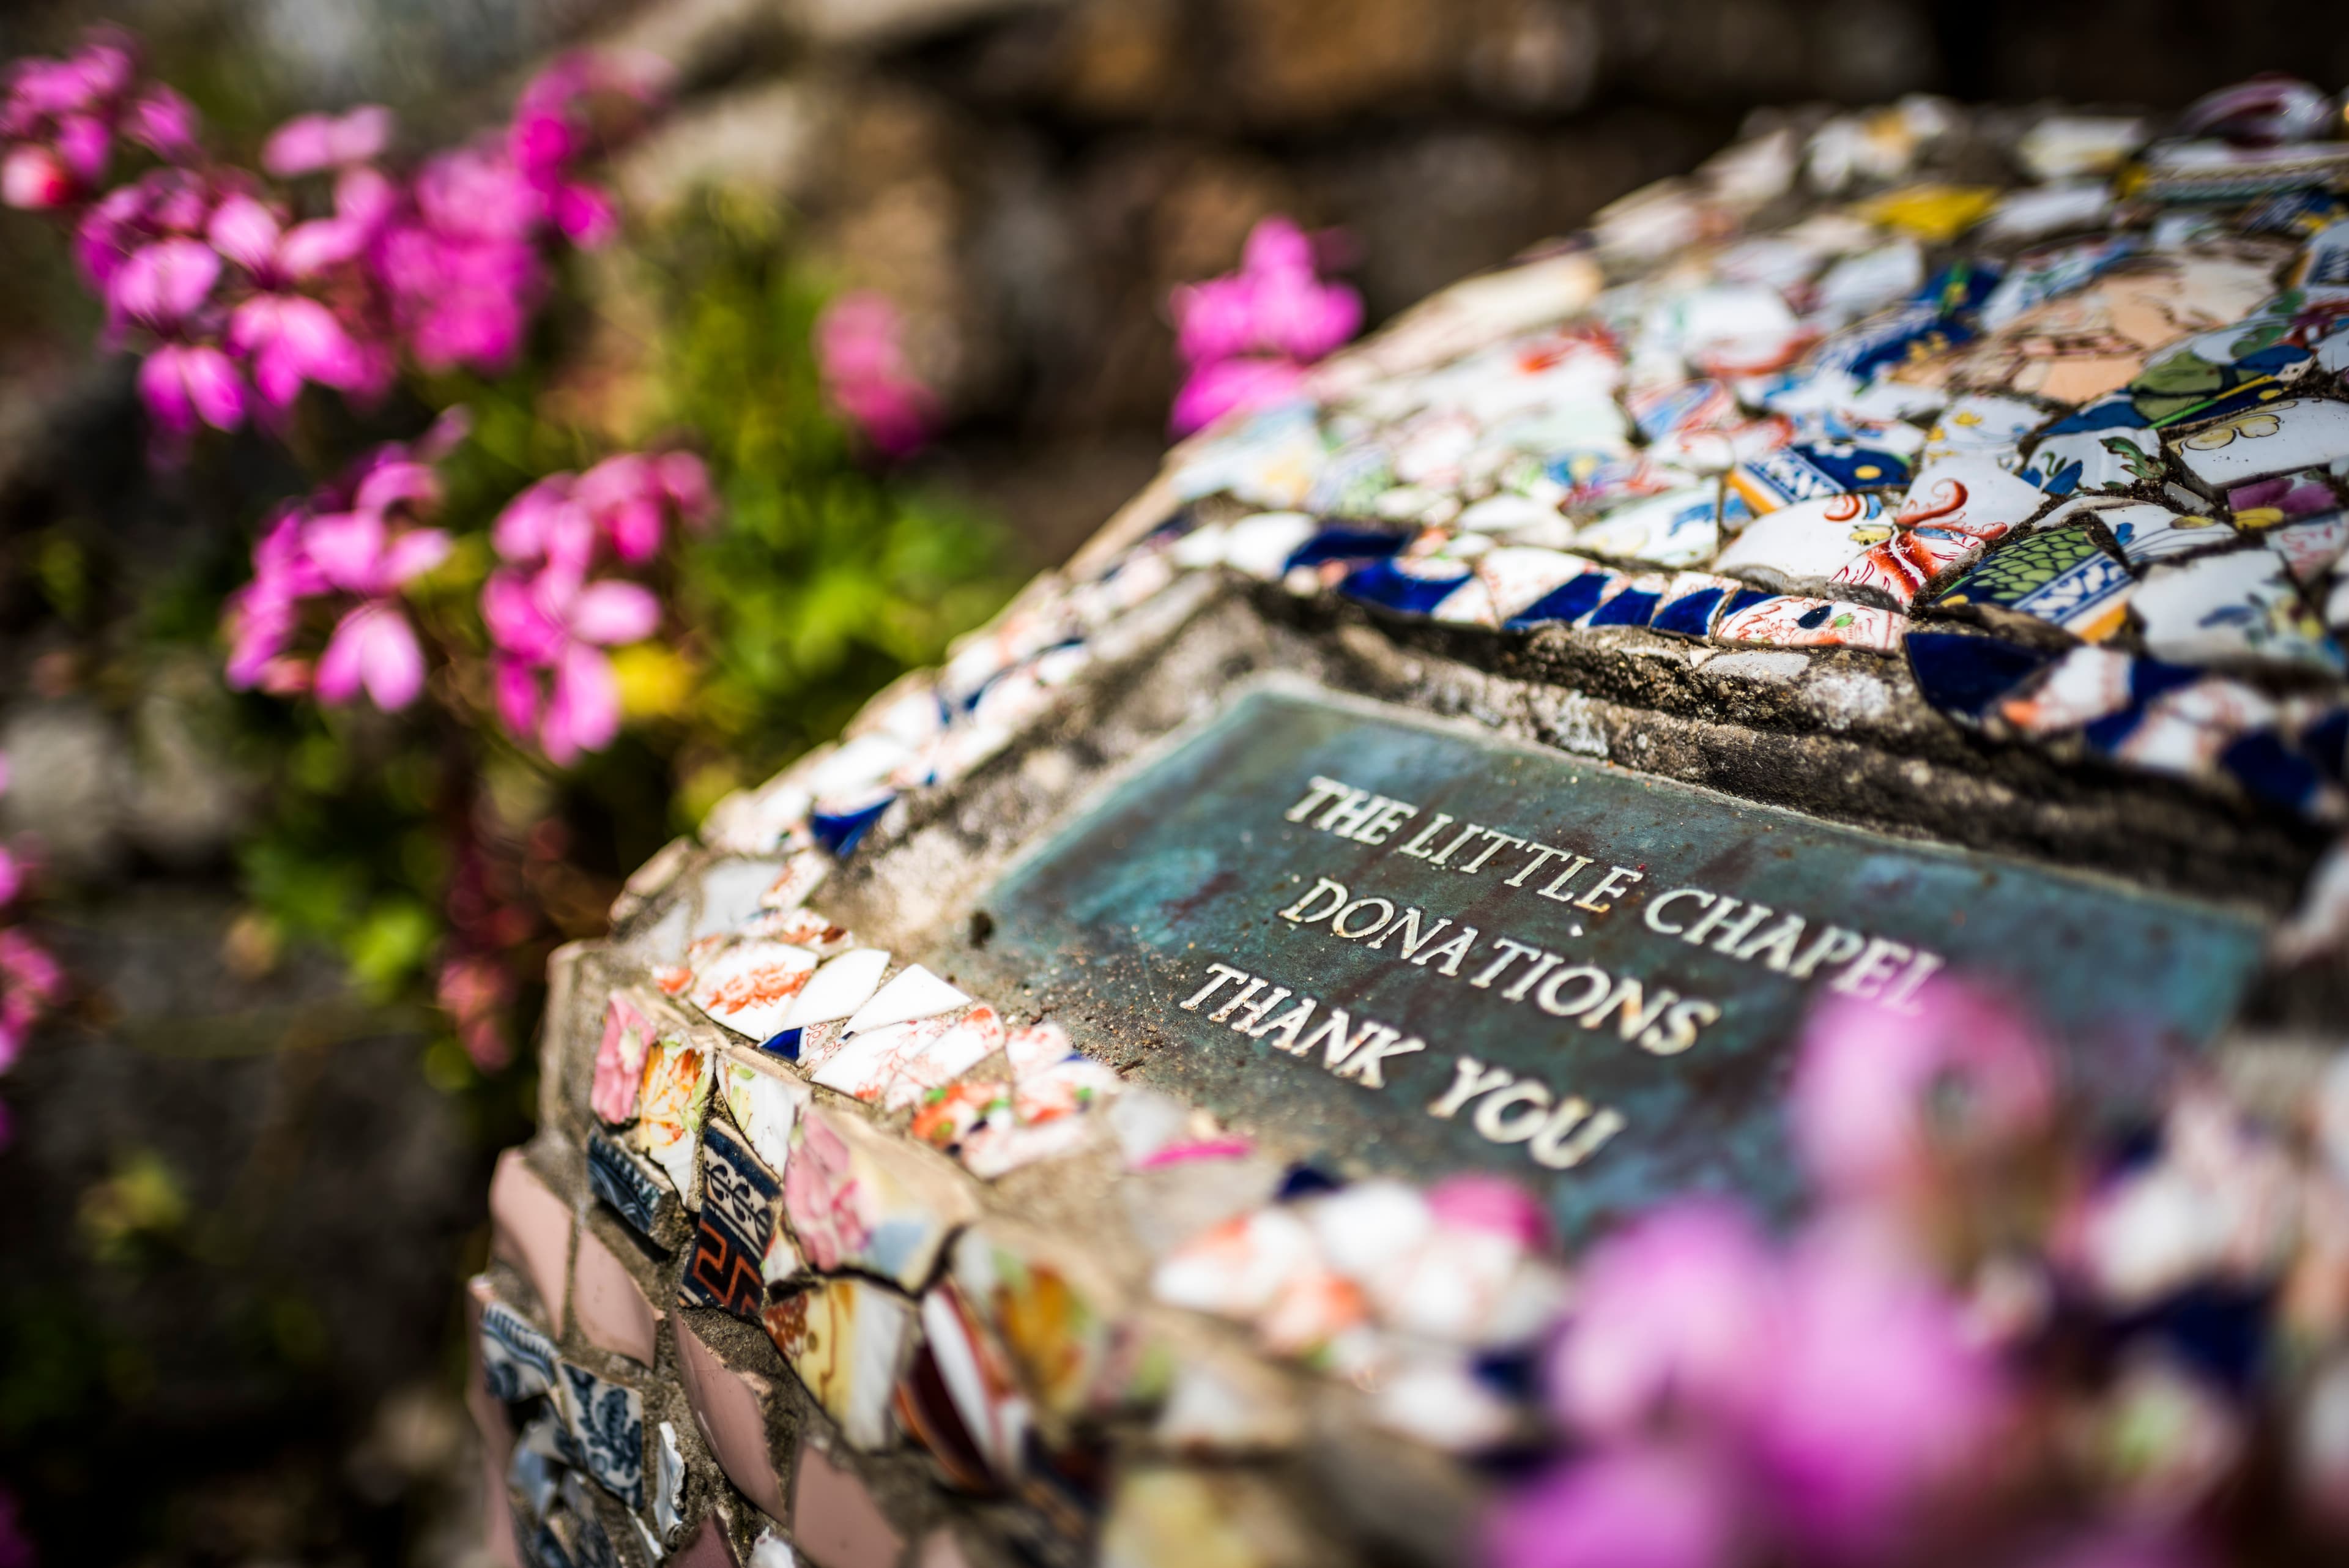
(353, 547)
(30, 979)
(63, 119)
(550, 616)
(237, 303)
(860, 352)
(1248, 337)
(1734, 1400)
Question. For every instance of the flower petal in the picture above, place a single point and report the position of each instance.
(611, 612)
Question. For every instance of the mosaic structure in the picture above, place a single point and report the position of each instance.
(1135, 1097)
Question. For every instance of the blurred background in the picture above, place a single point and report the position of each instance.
(247, 1157)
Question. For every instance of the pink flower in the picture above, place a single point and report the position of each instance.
(166, 202)
(373, 646)
(289, 337)
(1880, 1096)
(860, 354)
(1834, 1379)
(630, 498)
(474, 992)
(1675, 1319)
(545, 522)
(1274, 305)
(164, 123)
(1248, 336)
(557, 623)
(161, 285)
(30, 981)
(553, 131)
(34, 177)
(1226, 386)
(1641, 1507)
(263, 614)
(1875, 1395)
(182, 383)
(309, 142)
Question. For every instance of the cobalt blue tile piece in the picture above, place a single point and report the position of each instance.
(2262, 763)
(1632, 607)
(1964, 675)
(840, 831)
(1304, 1180)
(1569, 601)
(1960, 288)
(786, 1045)
(1380, 584)
(1742, 599)
(614, 1176)
(1347, 545)
(606, 1421)
(2327, 741)
(517, 1359)
(738, 1215)
(1690, 615)
(2149, 678)
(2221, 1329)
(1855, 467)
(1910, 332)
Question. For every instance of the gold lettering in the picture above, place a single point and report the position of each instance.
(1499, 838)
(1639, 1015)
(1559, 882)
(1315, 798)
(1876, 963)
(1295, 913)
(1283, 1031)
(1655, 912)
(1250, 988)
(1543, 856)
(1778, 941)
(1552, 1147)
(1614, 885)
(1451, 952)
(1222, 973)
(1596, 980)
(1470, 1079)
(1418, 847)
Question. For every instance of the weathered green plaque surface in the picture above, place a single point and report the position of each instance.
(1411, 945)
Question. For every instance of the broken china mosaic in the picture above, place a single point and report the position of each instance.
(2073, 448)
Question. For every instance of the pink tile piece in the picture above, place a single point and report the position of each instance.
(835, 1521)
(609, 1304)
(729, 1408)
(708, 1549)
(941, 1550)
(530, 1227)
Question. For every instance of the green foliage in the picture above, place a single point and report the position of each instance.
(826, 580)
(823, 579)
